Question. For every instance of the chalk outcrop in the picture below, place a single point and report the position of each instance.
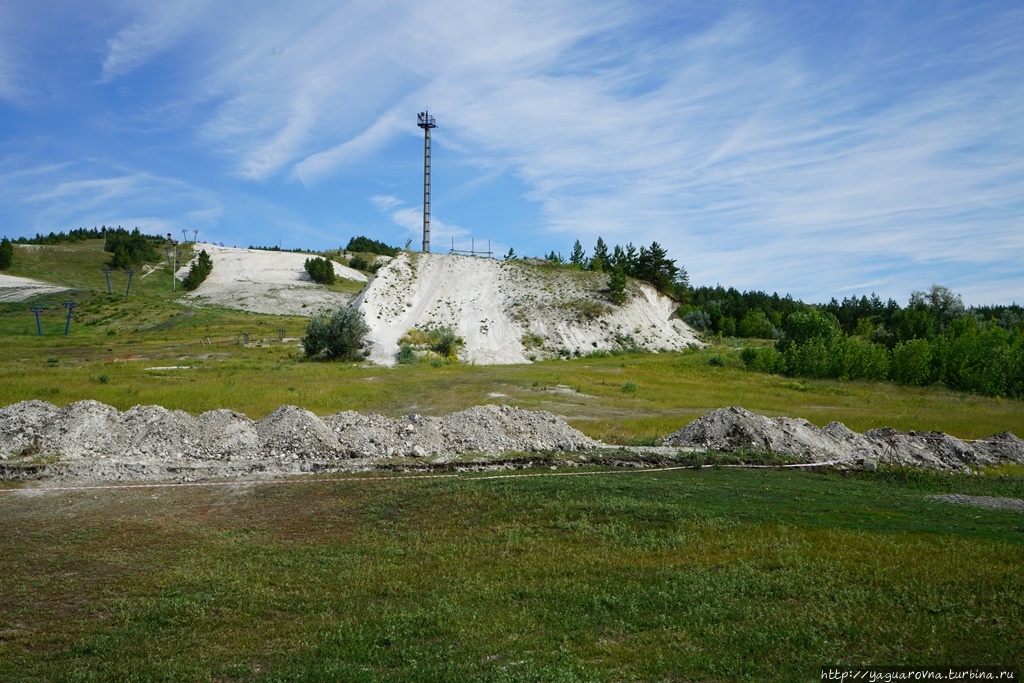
(512, 311)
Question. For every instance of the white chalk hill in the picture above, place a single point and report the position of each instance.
(512, 311)
(261, 281)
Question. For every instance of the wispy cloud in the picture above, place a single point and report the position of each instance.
(157, 26)
(105, 196)
(359, 147)
(411, 219)
(385, 203)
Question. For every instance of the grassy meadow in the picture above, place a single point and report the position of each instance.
(689, 575)
(686, 575)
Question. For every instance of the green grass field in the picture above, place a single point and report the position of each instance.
(713, 575)
(686, 575)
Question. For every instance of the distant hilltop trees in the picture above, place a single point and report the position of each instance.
(76, 235)
(128, 248)
(369, 246)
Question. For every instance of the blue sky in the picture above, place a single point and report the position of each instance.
(821, 148)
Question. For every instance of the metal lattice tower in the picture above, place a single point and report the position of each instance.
(426, 122)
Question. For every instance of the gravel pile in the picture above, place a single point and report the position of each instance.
(92, 441)
(735, 429)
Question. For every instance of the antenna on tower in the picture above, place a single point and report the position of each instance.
(426, 122)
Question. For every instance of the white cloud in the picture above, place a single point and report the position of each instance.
(440, 231)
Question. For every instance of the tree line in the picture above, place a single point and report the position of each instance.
(933, 340)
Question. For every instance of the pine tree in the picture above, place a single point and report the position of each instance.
(617, 285)
(600, 261)
(578, 257)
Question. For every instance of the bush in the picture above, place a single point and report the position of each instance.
(763, 360)
(320, 270)
(406, 355)
(698, 319)
(6, 253)
(359, 263)
(335, 336)
(445, 343)
(911, 363)
(200, 269)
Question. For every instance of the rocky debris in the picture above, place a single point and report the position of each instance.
(92, 441)
(493, 428)
(22, 425)
(735, 429)
(292, 433)
(229, 435)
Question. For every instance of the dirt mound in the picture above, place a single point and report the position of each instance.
(735, 429)
(92, 441)
(513, 312)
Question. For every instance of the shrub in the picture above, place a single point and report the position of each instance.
(335, 336)
(198, 272)
(359, 263)
(588, 309)
(698, 319)
(445, 343)
(6, 253)
(406, 355)
(320, 270)
(763, 360)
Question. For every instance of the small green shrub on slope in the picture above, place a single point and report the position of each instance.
(336, 336)
(320, 270)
